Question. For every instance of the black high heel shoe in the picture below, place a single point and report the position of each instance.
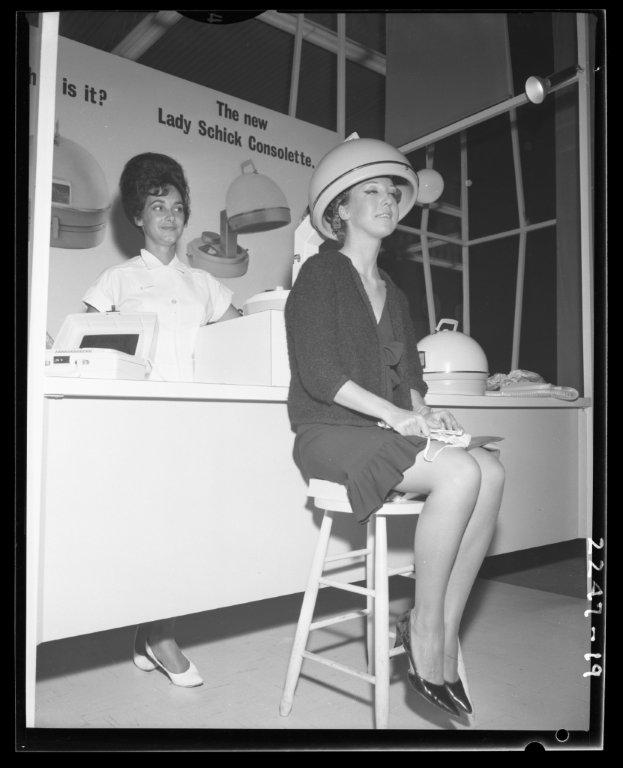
(439, 695)
(459, 696)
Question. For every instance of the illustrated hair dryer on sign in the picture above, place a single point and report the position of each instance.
(254, 203)
(80, 198)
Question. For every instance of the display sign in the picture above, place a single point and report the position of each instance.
(109, 109)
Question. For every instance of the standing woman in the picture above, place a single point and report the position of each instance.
(155, 198)
(355, 372)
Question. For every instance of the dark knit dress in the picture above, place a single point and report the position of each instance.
(369, 460)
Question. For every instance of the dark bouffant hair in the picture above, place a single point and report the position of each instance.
(333, 218)
(151, 174)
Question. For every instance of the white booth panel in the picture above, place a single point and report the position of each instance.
(540, 455)
(157, 508)
(162, 508)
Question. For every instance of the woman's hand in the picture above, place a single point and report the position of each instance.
(441, 420)
(419, 422)
(407, 422)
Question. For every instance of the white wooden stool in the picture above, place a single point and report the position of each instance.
(331, 498)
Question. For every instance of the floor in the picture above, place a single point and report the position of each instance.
(524, 635)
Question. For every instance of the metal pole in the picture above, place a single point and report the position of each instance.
(465, 233)
(146, 33)
(413, 254)
(479, 240)
(519, 283)
(428, 277)
(315, 34)
(586, 245)
(37, 317)
(586, 191)
(478, 117)
(341, 75)
(419, 230)
(510, 232)
(296, 65)
(448, 208)
(521, 258)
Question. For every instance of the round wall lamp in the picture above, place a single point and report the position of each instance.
(537, 88)
(430, 186)
(253, 203)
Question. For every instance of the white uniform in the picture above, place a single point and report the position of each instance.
(183, 298)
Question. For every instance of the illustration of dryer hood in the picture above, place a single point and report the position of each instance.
(253, 203)
(80, 198)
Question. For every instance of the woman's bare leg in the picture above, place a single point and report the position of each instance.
(473, 548)
(161, 638)
(451, 484)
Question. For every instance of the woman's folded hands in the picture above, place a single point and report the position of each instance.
(418, 422)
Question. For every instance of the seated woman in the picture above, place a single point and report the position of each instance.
(355, 370)
(155, 198)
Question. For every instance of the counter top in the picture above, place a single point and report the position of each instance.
(57, 387)
(494, 400)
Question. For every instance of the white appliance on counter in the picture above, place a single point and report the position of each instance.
(274, 298)
(251, 350)
(104, 345)
(452, 362)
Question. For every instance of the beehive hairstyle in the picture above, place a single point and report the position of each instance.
(151, 174)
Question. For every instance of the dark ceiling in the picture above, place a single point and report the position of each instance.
(251, 60)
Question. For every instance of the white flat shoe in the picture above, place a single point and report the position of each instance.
(190, 678)
(141, 661)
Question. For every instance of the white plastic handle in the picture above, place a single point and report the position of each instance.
(248, 167)
(454, 323)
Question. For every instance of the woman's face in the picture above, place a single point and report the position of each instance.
(162, 218)
(372, 207)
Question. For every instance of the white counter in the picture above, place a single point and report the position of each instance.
(161, 499)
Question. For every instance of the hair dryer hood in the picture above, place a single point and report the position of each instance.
(254, 203)
(351, 162)
(74, 166)
(448, 351)
(80, 198)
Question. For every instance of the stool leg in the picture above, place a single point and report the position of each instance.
(306, 615)
(370, 598)
(381, 624)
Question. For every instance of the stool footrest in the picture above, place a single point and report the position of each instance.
(346, 587)
(337, 619)
(408, 571)
(347, 555)
(336, 665)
